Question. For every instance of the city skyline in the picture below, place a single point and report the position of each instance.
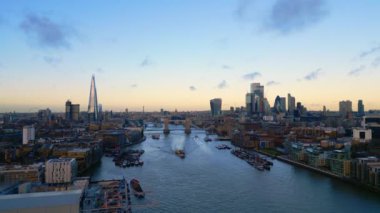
(163, 55)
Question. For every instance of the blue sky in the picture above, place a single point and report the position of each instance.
(180, 54)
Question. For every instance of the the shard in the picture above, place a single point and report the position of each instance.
(93, 111)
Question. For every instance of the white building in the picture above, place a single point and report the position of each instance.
(28, 134)
(361, 135)
(62, 170)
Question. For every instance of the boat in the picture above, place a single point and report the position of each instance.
(137, 190)
(180, 153)
(207, 139)
(156, 136)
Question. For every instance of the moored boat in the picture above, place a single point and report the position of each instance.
(137, 190)
(156, 136)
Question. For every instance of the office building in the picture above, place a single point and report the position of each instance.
(93, 111)
(44, 115)
(72, 111)
(61, 170)
(360, 108)
(28, 134)
(257, 90)
(345, 109)
(216, 107)
(280, 104)
(291, 104)
(255, 101)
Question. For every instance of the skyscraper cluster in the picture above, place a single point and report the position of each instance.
(255, 101)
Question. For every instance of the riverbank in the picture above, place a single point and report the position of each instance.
(328, 173)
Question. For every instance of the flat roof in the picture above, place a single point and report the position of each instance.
(39, 199)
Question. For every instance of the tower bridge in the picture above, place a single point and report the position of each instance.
(186, 123)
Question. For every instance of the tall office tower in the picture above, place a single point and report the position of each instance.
(283, 104)
(360, 108)
(28, 134)
(291, 104)
(257, 89)
(280, 104)
(277, 104)
(68, 110)
(72, 111)
(93, 112)
(345, 108)
(266, 106)
(216, 106)
(248, 103)
(75, 109)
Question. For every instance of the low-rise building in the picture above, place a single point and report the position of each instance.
(340, 163)
(18, 173)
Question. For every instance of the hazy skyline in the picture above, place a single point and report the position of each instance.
(180, 54)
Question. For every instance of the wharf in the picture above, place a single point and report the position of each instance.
(325, 172)
(328, 173)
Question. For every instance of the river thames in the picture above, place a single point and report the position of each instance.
(212, 180)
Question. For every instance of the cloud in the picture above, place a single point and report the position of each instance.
(376, 62)
(52, 60)
(46, 32)
(222, 84)
(357, 71)
(134, 85)
(287, 16)
(100, 70)
(242, 8)
(313, 75)
(370, 51)
(192, 88)
(146, 62)
(226, 67)
(272, 83)
(251, 76)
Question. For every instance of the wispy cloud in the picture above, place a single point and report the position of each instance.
(134, 85)
(222, 84)
(287, 16)
(376, 62)
(369, 51)
(192, 88)
(242, 8)
(313, 75)
(226, 67)
(52, 60)
(146, 62)
(272, 83)
(356, 71)
(251, 76)
(45, 32)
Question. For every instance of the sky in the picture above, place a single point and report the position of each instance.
(179, 54)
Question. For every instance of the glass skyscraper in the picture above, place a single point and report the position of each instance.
(93, 111)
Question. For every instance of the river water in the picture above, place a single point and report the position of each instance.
(212, 180)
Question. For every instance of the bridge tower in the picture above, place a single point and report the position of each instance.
(187, 126)
(166, 126)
